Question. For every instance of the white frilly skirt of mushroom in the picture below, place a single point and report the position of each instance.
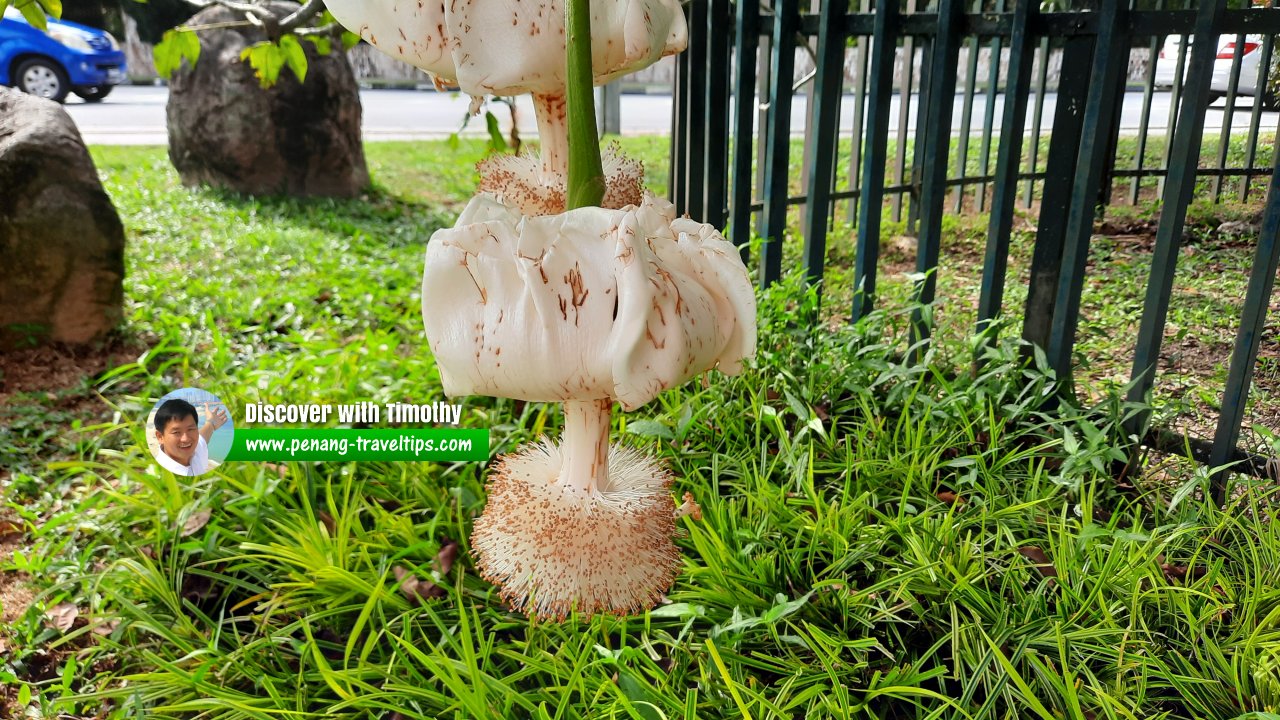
(585, 307)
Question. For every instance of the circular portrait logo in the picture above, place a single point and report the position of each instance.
(189, 431)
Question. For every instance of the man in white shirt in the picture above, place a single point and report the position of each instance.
(184, 447)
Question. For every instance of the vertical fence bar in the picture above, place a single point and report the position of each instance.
(1055, 204)
(786, 20)
(822, 149)
(1175, 102)
(764, 79)
(1228, 113)
(871, 200)
(1110, 66)
(716, 132)
(679, 132)
(966, 122)
(746, 42)
(1037, 116)
(861, 65)
(696, 114)
(937, 140)
(1148, 91)
(1262, 275)
(904, 115)
(1255, 116)
(917, 148)
(803, 92)
(1008, 156)
(989, 114)
(1173, 213)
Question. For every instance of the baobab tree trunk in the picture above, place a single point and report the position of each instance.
(294, 138)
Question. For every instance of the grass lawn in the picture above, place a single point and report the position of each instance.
(878, 540)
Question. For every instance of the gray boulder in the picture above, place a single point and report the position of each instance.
(61, 241)
(292, 138)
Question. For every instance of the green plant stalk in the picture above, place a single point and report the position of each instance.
(586, 174)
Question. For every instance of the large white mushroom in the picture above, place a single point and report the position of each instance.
(612, 300)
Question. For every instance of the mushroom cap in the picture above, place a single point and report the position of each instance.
(591, 303)
(509, 47)
(552, 549)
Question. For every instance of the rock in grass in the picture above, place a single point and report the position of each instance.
(293, 138)
(61, 241)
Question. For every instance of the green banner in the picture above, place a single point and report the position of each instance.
(343, 444)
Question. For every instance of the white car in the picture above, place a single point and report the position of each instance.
(1250, 62)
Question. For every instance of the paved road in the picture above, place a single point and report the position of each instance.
(135, 115)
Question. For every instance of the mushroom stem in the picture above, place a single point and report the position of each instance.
(585, 446)
(553, 133)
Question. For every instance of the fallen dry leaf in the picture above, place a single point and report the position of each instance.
(327, 520)
(414, 589)
(1039, 560)
(106, 628)
(444, 559)
(62, 616)
(10, 530)
(950, 497)
(194, 522)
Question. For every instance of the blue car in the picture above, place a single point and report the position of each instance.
(68, 58)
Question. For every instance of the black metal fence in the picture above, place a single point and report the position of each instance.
(739, 47)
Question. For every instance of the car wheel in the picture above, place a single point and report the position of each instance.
(42, 78)
(93, 93)
(1216, 96)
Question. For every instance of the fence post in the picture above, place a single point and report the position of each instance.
(679, 131)
(904, 114)
(786, 20)
(1110, 66)
(933, 191)
(697, 110)
(822, 149)
(716, 131)
(745, 44)
(1253, 318)
(871, 198)
(1060, 167)
(1178, 190)
(861, 67)
(1008, 155)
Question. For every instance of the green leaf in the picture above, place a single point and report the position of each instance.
(294, 56)
(322, 43)
(24, 695)
(53, 7)
(349, 39)
(69, 672)
(175, 46)
(34, 15)
(497, 143)
(266, 59)
(649, 428)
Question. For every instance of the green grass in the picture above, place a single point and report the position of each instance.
(879, 539)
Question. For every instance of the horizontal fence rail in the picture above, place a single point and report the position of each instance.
(1049, 106)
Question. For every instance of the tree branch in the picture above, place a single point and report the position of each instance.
(248, 9)
(302, 15)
